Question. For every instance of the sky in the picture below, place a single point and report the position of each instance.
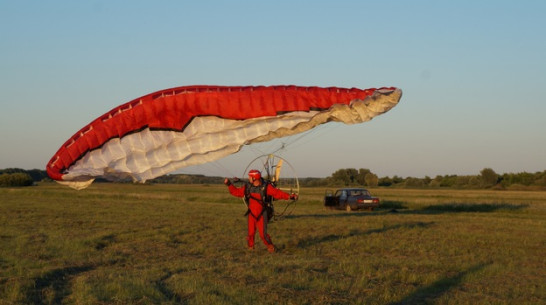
(473, 75)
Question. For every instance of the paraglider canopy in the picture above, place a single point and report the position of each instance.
(170, 129)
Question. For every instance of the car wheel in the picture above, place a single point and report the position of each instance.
(348, 208)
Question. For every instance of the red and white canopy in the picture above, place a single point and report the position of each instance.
(174, 128)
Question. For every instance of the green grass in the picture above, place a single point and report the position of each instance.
(182, 244)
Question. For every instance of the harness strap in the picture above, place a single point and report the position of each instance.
(262, 200)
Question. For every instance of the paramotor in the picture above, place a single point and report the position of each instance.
(277, 171)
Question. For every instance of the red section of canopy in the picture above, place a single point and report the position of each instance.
(173, 109)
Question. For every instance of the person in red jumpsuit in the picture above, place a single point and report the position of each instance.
(257, 214)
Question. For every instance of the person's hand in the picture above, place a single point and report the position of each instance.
(227, 182)
(294, 196)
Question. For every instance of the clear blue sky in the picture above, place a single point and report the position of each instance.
(473, 75)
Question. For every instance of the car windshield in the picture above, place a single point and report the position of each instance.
(359, 192)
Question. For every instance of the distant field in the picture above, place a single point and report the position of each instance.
(185, 244)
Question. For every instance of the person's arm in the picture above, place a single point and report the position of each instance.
(278, 194)
(235, 191)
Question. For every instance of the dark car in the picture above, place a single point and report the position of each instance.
(350, 199)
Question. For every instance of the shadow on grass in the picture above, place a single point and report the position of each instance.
(333, 213)
(53, 286)
(162, 286)
(427, 294)
(333, 237)
(474, 207)
(103, 241)
(389, 205)
(399, 207)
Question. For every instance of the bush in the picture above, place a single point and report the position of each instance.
(414, 182)
(15, 179)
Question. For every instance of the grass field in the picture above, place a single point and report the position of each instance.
(182, 244)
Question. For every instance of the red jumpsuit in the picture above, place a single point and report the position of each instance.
(256, 217)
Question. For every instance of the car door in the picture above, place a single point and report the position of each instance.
(343, 197)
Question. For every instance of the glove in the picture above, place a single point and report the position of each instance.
(227, 182)
(294, 196)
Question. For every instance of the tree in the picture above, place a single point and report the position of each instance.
(541, 179)
(396, 179)
(385, 181)
(448, 181)
(352, 173)
(414, 182)
(371, 179)
(341, 176)
(489, 177)
(427, 180)
(361, 177)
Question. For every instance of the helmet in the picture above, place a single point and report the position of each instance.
(255, 174)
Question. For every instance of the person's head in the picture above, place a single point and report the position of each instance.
(254, 175)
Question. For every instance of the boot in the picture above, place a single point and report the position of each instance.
(271, 248)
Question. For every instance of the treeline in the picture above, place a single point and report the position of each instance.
(21, 177)
(187, 179)
(486, 179)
